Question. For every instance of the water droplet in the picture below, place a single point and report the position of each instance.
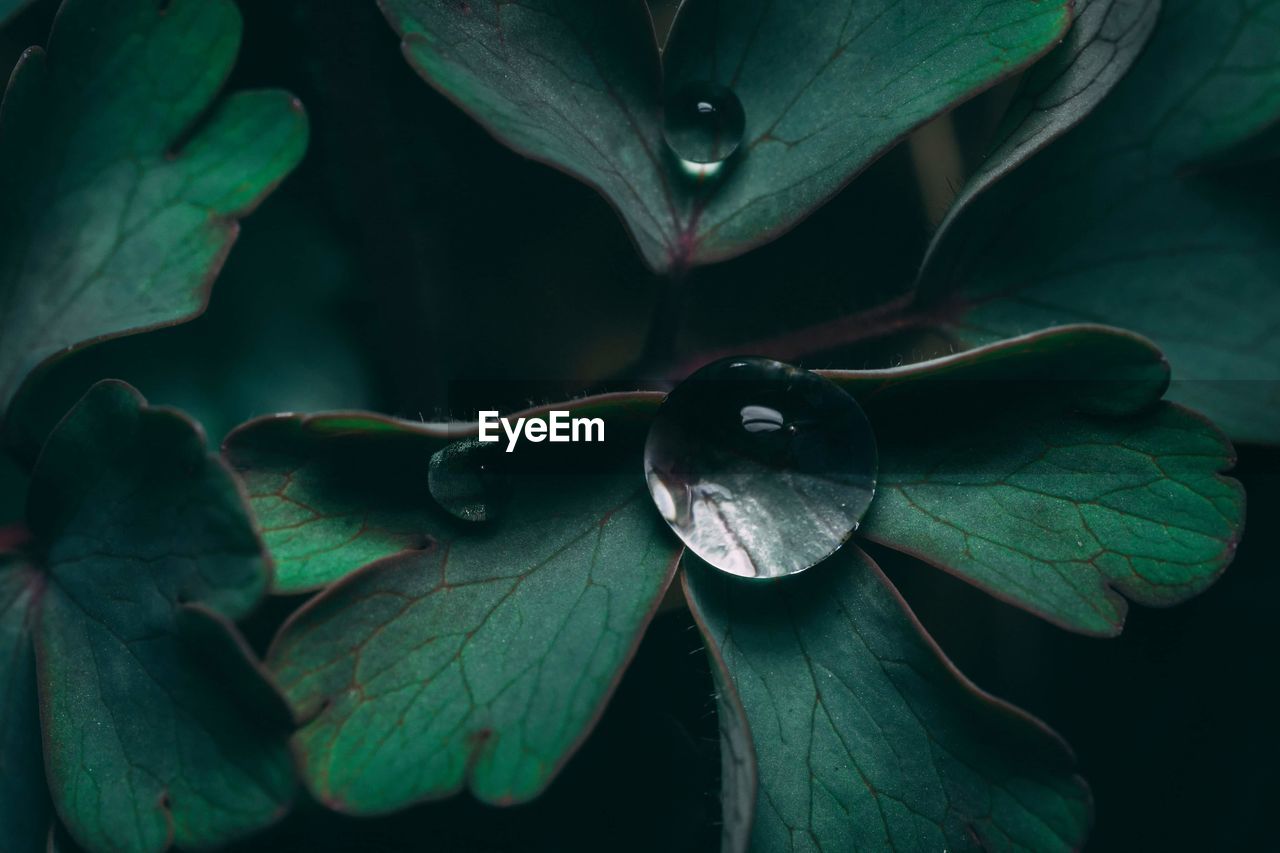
(703, 124)
(763, 469)
(461, 479)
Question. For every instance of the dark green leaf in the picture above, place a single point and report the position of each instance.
(577, 84)
(1133, 219)
(333, 493)
(1057, 93)
(24, 798)
(114, 221)
(1094, 368)
(274, 339)
(739, 781)
(866, 736)
(1083, 490)
(153, 712)
(1064, 516)
(481, 659)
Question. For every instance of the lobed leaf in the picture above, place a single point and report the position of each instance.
(335, 492)
(865, 735)
(1056, 483)
(158, 728)
(273, 340)
(1085, 492)
(477, 655)
(1135, 219)
(579, 85)
(1064, 516)
(114, 220)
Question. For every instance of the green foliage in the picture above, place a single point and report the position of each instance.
(1059, 92)
(335, 493)
(255, 351)
(867, 736)
(578, 84)
(115, 221)
(159, 727)
(366, 659)
(481, 658)
(1135, 219)
(443, 652)
(1085, 488)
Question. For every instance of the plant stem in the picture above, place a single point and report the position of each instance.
(939, 165)
(869, 325)
(665, 327)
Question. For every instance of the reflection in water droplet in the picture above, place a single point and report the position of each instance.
(703, 124)
(763, 469)
(460, 480)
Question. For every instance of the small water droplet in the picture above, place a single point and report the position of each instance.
(703, 124)
(763, 469)
(461, 479)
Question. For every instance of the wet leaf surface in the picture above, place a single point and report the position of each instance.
(414, 688)
(579, 85)
(334, 492)
(480, 658)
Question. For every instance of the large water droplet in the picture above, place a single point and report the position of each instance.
(461, 479)
(703, 124)
(763, 469)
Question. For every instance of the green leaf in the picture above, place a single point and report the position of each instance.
(334, 492)
(1133, 219)
(114, 220)
(482, 659)
(1094, 368)
(577, 84)
(159, 729)
(24, 800)
(866, 736)
(739, 779)
(275, 338)
(1051, 488)
(1065, 516)
(1057, 93)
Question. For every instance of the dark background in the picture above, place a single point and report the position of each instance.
(411, 251)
